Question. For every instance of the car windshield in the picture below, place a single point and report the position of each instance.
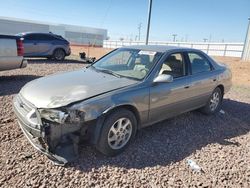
(130, 63)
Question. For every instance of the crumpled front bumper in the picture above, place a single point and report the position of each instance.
(36, 142)
(36, 136)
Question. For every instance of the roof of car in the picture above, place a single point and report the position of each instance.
(156, 48)
(28, 33)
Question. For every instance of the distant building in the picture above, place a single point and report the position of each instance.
(78, 35)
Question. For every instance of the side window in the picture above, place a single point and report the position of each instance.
(198, 63)
(174, 65)
(33, 37)
(47, 37)
(42, 37)
(38, 37)
(28, 37)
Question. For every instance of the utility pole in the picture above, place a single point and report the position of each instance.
(149, 18)
(205, 40)
(139, 30)
(210, 38)
(246, 50)
(174, 37)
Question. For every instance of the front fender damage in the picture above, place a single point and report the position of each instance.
(64, 139)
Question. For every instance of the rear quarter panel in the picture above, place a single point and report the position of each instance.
(225, 78)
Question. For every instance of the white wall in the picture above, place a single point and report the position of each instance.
(215, 49)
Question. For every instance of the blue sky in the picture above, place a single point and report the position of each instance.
(191, 20)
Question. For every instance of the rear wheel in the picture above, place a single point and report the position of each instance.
(59, 54)
(214, 103)
(118, 130)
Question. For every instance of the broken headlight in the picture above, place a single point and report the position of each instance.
(54, 115)
(62, 117)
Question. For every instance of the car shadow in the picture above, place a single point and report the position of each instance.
(15, 81)
(173, 140)
(65, 61)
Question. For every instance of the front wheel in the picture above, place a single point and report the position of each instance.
(214, 103)
(118, 130)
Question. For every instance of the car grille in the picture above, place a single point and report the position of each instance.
(27, 112)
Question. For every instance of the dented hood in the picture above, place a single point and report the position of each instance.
(62, 89)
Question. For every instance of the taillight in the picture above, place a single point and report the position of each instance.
(20, 49)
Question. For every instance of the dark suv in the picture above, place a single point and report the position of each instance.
(47, 45)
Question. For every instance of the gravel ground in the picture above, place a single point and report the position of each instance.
(220, 144)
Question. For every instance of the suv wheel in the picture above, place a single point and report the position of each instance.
(59, 54)
(118, 130)
(214, 103)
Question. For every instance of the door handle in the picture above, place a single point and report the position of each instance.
(214, 79)
(186, 87)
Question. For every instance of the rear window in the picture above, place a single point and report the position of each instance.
(199, 63)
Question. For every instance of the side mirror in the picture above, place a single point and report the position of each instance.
(163, 78)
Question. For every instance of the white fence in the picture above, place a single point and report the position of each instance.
(214, 49)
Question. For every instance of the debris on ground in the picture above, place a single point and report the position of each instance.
(222, 111)
(86, 59)
(192, 164)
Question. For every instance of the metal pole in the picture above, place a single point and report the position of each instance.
(245, 42)
(149, 18)
(225, 50)
(174, 36)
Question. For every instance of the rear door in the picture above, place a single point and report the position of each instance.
(45, 44)
(37, 44)
(203, 78)
(30, 45)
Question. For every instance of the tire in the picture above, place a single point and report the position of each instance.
(214, 103)
(108, 142)
(59, 54)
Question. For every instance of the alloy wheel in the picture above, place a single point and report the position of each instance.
(214, 101)
(120, 133)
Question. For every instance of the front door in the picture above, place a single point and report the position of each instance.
(169, 99)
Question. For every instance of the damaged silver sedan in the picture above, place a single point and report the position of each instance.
(108, 101)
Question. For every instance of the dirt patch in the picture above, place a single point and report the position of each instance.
(90, 51)
(240, 70)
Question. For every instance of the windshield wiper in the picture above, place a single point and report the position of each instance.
(109, 72)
